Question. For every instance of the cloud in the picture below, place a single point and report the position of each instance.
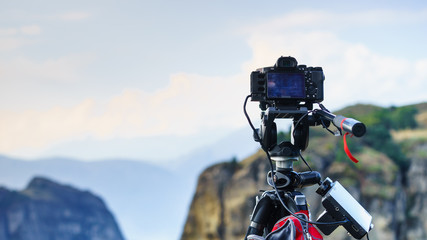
(189, 104)
(8, 31)
(309, 20)
(14, 38)
(75, 16)
(12, 43)
(39, 129)
(354, 72)
(192, 102)
(24, 30)
(30, 30)
(21, 70)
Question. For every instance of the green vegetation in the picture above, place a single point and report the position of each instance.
(392, 118)
(382, 156)
(379, 124)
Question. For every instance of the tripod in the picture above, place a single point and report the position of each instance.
(270, 207)
(284, 200)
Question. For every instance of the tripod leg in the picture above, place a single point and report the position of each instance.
(260, 216)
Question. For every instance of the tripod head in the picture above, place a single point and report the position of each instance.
(287, 152)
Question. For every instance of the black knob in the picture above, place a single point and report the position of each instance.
(324, 187)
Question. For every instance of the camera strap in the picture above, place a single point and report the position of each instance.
(346, 149)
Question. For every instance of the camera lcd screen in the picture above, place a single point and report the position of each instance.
(286, 85)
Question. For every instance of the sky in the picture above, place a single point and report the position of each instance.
(156, 79)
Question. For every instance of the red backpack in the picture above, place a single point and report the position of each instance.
(291, 228)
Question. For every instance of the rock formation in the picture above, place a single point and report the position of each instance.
(48, 210)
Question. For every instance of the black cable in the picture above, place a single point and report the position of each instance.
(306, 163)
(272, 172)
(298, 122)
(324, 126)
(260, 141)
(293, 134)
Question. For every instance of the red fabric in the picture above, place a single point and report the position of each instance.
(300, 235)
(346, 149)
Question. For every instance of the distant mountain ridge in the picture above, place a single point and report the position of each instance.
(48, 210)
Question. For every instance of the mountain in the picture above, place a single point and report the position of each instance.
(389, 181)
(49, 210)
(139, 194)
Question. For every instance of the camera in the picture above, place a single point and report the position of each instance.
(340, 205)
(287, 84)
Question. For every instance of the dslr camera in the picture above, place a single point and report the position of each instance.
(287, 84)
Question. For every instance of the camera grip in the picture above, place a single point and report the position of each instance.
(350, 125)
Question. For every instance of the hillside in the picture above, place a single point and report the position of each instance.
(389, 181)
(48, 210)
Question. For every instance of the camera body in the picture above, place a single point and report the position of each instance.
(287, 84)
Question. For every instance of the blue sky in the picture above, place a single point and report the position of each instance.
(77, 76)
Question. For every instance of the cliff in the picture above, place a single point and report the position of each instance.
(390, 180)
(48, 210)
